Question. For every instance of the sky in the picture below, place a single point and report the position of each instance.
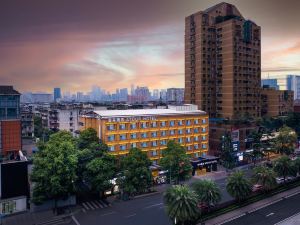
(75, 44)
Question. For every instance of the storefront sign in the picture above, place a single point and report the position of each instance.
(236, 146)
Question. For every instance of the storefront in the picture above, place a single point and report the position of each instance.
(204, 164)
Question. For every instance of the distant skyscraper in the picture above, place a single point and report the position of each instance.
(123, 95)
(175, 95)
(293, 84)
(223, 62)
(156, 94)
(57, 94)
(270, 82)
(132, 90)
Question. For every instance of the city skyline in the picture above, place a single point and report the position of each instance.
(74, 49)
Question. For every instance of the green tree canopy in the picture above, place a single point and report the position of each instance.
(135, 174)
(284, 167)
(207, 191)
(181, 205)
(238, 186)
(296, 163)
(285, 142)
(265, 177)
(227, 155)
(177, 162)
(54, 168)
(87, 138)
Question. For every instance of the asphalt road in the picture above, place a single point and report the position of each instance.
(146, 210)
(272, 214)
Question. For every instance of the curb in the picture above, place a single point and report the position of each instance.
(146, 195)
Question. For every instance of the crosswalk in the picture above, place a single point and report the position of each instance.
(93, 205)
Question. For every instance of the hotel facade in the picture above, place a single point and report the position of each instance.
(151, 129)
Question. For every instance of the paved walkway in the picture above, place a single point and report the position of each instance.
(252, 207)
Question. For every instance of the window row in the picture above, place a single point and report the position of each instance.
(122, 137)
(170, 123)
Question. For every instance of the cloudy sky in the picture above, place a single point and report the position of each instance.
(74, 44)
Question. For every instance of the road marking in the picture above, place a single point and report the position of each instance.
(85, 206)
(286, 219)
(75, 220)
(83, 210)
(97, 204)
(106, 214)
(93, 204)
(270, 214)
(130, 215)
(90, 205)
(151, 206)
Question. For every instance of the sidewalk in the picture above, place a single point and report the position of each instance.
(252, 207)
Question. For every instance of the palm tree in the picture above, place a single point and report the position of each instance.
(286, 140)
(296, 163)
(284, 167)
(265, 177)
(238, 187)
(208, 192)
(181, 204)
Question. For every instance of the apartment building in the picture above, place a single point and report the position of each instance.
(150, 129)
(10, 122)
(222, 62)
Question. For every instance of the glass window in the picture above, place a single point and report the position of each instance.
(133, 136)
(154, 153)
(180, 122)
(153, 134)
(196, 146)
(196, 121)
(122, 147)
(188, 139)
(188, 131)
(203, 121)
(144, 144)
(203, 129)
(188, 122)
(122, 137)
(172, 123)
(144, 135)
(133, 126)
(204, 146)
(172, 132)
(196, 130)
(163, 133)
(133, 145)
(180, 140)
(153, 124)
(122, 127)
(196, 138)
(163, 124)
(144, 125)
(111, 137)
(203, 138)
(180, 131)
(111, 148)
(154, 143)
(189, 147)
(111, 127)
(163, 142)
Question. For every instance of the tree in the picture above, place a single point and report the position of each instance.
(285, 142)
(135, 174)
(181, 205)
(284, 167)
(257, 147)
(176, 162)
(87, 137)
(265, 177)
(54, 169)
(227, 154)
(296, 163)
(238, 186)
(99, 172)
(39, 131)
(207, 191)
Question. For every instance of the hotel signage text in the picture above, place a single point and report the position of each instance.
(131, 119)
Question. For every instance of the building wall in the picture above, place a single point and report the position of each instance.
(276, 102)
(194, 136)
(68, 120)
(11, 136)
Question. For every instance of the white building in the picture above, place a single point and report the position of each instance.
(68, 120)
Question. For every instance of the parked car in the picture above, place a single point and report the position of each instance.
(279, 180)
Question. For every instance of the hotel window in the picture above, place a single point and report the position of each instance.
(196, 146)
(180, 123)
(154, 143)
(172, 123)
(144, 125)
(163, 124)
(122, 147)
(163, 133)
(180, 131)
(203, 121)
(111, 148)
(203, 146)
(133, 145)
(203, 153)
(203, 129)
(196, 130)
(123, 137)
(188, 131)
(203, 138)
(196, 154)
(144, 135)
(180, 140)
(110, 127)
(172, 132)
(153, 134)
(196, 138)
(188, 139)
(154, 153)
(144, 144)
(153, 124)
(196, 121)
(122, 127)
(133, 136)
(163, 142)
(188, 122)
(111, 137)
(133, 126)
(189, 147)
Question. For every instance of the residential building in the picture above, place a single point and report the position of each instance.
(150, 129)
(222, 62)
(27, 121)
(270, 82)
(10, 122)
(276, 102)
(68, 120)
(57, 94)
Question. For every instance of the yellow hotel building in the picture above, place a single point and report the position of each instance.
(151, 129)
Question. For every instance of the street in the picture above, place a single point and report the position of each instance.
(271, 214)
